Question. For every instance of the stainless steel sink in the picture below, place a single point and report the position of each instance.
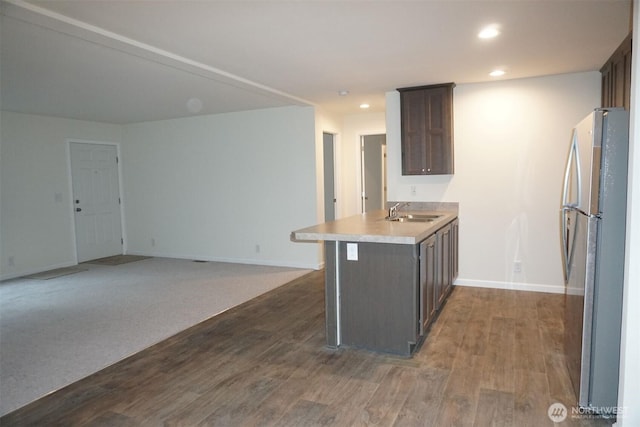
(423, 216)
(414, 218)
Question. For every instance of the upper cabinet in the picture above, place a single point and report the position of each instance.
(616, 77)
(427, 129)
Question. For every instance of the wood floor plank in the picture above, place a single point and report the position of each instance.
(239, 404)
(499, 358)
(392, 392)
(529, 349)
(423, 402)
(495, 408)
(493, 357)
(552, 336)
(560, 388)
(349, 400)
(531, 399)
(280, 402)
(456, 411)
(438, 352)
(305, 413)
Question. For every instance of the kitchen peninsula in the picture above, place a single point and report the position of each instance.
(387, 278)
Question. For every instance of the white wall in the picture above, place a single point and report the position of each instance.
(511, 140)
(36, 219)
(215, 187)
(629, 389)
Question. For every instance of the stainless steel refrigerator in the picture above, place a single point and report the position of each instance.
(593, 216)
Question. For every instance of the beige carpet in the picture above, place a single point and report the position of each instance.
(58, 331)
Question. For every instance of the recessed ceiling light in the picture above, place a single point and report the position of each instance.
(343, 92)
(497, 73)
(364, 106)
(489, 32)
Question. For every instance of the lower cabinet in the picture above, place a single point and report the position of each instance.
(376, 297)
(454, 249)
(443, 269)
(386, 297)
(428, 279)
(438, 268)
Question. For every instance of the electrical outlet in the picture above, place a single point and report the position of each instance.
(413, 190)
(517, 266)
(153, 241)
(352, 251)
(257, 249)
(11, 261)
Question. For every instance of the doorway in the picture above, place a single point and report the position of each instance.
(374, 171)
(330, 201)
(96, 200)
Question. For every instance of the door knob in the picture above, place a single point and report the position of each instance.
(78, 210)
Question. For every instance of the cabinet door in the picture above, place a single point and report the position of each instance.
(438, 132)
(616, 77)
(414, 145)
(427, 129)
(446, 262)
(454, 250)
(443, 280)
(428, 263)
(607, 97)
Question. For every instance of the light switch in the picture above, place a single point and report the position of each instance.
(352, 251)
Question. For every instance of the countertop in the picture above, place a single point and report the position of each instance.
(373, 227)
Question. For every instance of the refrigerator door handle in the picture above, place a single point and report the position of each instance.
(571, 160)
(563, 236)
(564, 231)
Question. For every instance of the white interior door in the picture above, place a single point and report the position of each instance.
(373, 172)
(96, 200)
(329, 177)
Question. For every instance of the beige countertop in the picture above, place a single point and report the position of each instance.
(373, 227)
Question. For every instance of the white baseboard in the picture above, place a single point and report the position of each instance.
(531, 287)
(252, 261)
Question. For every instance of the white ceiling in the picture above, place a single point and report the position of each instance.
(132, 61)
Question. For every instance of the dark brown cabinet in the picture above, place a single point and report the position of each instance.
(378, 293)
(455, 225)
(444, 281)
(616, 77)
(428, 278)
(427, 129)
(438, 257)
(387, 298)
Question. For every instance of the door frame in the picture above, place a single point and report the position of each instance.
(71, 205)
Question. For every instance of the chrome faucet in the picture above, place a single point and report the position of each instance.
(393, 210)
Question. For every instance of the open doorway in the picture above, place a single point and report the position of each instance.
(373, 150)
(330, 200)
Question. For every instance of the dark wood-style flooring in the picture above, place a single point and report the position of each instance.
(493, 358)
